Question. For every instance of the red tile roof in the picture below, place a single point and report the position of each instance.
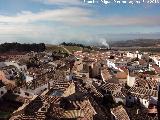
(120, 113)
(121, 75)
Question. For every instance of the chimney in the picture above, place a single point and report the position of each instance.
(47, 82)
(49, 85)
(137, 111)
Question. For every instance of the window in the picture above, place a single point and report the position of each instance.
(154, 88)
(2, 92)
(129, 97)
(27, 94)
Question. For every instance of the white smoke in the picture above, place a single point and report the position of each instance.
(104, 43)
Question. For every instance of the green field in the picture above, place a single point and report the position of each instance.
(73, 48)
(53, 48)
(60, 48)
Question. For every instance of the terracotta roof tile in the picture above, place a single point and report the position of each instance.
(120, 113)
(121, 75)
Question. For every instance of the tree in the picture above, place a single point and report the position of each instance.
(7, 47)
(33, 62)
(20, 79)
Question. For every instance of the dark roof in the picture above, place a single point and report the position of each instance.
(34, 106)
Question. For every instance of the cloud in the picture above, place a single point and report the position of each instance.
(29, 26)
(80, 17)
(60, 2)
(24, 32)
(62, 15)
(28, 32)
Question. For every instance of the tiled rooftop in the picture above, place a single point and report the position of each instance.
(142, 92)
(35, 109)
(110, 86)
(120, 113)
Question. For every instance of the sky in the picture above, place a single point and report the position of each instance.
(56, 21)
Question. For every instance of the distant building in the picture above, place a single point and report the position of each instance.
(156, 60)
(15, 55)
(134, 55)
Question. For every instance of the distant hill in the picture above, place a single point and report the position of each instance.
(137, 43)
(54, 48)
(62, 48)
(8, 47)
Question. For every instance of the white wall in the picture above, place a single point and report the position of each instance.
(116, 66)
(120, 100)
(156, 60)
(134, 55)
(131, 55)
(144, 102)
(131, 81)
(110, 64)
(69, 91)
